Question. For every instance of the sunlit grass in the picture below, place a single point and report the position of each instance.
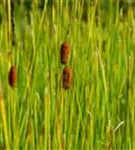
(98, 111)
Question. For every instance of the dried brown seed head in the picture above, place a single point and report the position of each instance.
(67, 78)
(12, 77)
(65, 51)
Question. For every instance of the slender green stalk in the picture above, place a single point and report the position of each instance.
(4, 118)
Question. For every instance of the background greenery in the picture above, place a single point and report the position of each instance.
(98, 112)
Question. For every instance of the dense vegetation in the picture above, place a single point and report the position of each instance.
(98, 110)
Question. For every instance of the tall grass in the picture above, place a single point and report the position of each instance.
(98, 112)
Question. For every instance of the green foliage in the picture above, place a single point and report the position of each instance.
(98, 112)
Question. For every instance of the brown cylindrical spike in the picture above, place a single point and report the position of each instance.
(67, 78)
(64, 52)
(12, 77)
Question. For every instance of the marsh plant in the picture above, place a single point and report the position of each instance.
(65, 52)
(12, 76)
(88, 101)
(67, 77)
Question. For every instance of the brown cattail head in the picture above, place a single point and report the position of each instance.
(12, 77)
(67, 78)
(64, 52)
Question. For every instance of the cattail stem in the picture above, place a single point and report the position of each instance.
(11, 25)
(9, 22)
(12, 22)
(14, 118)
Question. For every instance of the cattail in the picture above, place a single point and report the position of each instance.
(64, 51)
(67, 78)
(12, 76)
